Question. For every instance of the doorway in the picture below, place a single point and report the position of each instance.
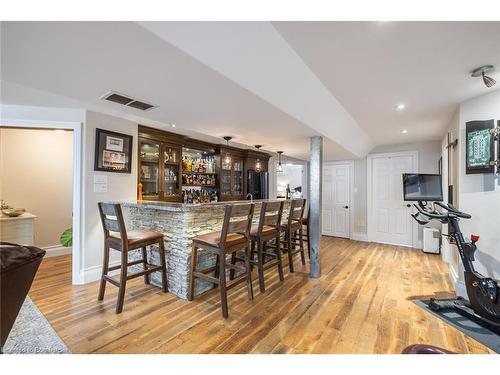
(389, 217)
(336, 207)
(76, 128)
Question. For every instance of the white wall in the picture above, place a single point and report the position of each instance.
(428, 156)
(36, 173)
(275, 178)
(293, 175)
(448, 251)
(121, 186)
(479, 194)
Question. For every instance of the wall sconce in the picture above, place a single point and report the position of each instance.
(279, 168)
(227, 157)
(258, 164)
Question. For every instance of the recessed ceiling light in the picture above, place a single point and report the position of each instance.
(400, 107)
(173, 125)
(404, 131)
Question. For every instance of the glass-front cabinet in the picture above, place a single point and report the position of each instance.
(159, 171)
(237, 177)
(171, 171)
(149, 171)
(231, 176)
(175, 168)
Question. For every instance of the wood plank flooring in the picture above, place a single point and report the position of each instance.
(361, 304)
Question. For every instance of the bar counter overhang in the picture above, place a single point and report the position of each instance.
(179, 223)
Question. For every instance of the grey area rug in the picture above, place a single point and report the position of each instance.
(466, 325)
(33, 334)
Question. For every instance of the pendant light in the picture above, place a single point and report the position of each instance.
(258, 165)
(279, 168)
(227, 157)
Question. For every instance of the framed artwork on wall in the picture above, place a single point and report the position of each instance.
(479, 147)
(113, 152)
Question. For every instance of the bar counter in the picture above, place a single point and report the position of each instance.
(179, 223)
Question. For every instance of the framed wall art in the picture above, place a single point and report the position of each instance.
(479, 147)
(113, 152)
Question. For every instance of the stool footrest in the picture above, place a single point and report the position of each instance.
(119, 266)
(204, 276)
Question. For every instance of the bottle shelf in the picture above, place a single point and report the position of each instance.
(201, 185)
(202, 173)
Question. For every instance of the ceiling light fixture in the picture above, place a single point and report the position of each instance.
(279, 168)
(404, 131)
(480, 72)
(227, 158)
(400, 107)
(173, 125)
(258, 165)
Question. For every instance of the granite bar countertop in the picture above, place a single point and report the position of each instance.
(184, 207)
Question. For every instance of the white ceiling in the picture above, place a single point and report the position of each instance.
(370, 67)
(366, 68)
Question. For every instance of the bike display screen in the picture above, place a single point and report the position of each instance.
(422, 187)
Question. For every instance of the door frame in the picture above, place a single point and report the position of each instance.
(76, 127)
(369, 197)
(350, 163)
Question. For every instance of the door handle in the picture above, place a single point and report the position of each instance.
(408, 205)
(346, 206)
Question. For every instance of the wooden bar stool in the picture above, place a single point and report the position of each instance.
(294, 234)
(261, 235)
(306, 234)
(116, 237)
(234, 236)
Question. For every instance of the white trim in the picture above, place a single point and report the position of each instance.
(369, 202)
(57, 250)
(77, 262)
(350, 163)
(94, 273)
(360, 237)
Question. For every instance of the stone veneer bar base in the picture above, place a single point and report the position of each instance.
(179, 223)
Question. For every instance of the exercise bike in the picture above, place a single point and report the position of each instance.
(483, 292)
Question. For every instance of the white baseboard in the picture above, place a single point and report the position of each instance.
(360, 237)
(56, 250)
(94, 273)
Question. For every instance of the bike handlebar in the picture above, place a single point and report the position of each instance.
(439, 215)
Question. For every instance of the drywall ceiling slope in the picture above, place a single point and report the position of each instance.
(83, 60)
(370, 67)
(255, 56)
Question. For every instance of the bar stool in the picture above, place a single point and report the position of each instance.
(267, 230)
(234, 236)
(116, 237)
(294, 234)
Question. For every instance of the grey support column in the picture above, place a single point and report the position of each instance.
(315, 181)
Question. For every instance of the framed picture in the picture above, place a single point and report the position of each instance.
(479, 147)
(113, 152)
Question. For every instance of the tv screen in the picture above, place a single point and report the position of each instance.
(422, 187)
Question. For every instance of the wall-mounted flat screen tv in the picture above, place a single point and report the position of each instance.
(422, 187)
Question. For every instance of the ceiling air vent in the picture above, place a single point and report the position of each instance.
(115, 97)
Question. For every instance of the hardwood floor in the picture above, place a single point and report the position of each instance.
(361, 304)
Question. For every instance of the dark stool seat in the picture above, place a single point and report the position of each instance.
(116, 237)
(18, 266)
(266, 230)
(234, 236)
(213, 239)
(425, 349)
(136, 238)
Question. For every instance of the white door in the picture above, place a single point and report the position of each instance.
(390, 220)
(336, 204)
